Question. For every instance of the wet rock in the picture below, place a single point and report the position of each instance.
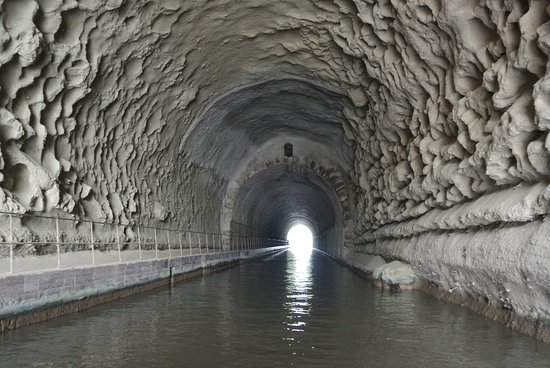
(396, 273)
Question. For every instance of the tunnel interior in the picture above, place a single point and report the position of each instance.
(412, 123)
(284, 195)
(282, 147)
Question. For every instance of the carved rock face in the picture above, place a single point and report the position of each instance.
(127, 107)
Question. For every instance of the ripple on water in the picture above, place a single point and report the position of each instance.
(283, 311)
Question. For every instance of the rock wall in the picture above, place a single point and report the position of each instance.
(446, 100)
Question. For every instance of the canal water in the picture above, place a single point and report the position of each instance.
(288, 310)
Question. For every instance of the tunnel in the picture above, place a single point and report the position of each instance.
(296, 196)
(282, 147)
(407, 134)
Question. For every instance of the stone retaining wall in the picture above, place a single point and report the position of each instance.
(33, 297)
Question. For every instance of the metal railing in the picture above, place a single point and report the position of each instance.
(32, 242)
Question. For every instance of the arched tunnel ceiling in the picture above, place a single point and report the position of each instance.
(437, 102)
(282, 195)
(243, 121)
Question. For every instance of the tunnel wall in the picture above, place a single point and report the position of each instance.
(493, 250)
(441, 102)
(331, 241)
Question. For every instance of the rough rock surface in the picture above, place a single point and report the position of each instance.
(365, 262)
(426, 115)
(395, 273)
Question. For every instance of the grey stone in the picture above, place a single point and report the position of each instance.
(395, 273)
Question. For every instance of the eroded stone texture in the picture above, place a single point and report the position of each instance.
(152, 111)
(448, 99)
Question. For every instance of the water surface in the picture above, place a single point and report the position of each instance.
(287, 310)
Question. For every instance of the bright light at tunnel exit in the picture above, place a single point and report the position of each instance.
(300, 238)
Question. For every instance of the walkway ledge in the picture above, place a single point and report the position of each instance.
(33, 297)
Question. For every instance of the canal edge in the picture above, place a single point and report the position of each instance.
(62, 306)
(537, 329)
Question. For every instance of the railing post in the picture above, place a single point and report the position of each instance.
(200, 249)
(181, 245)
(118, 244)
(190, 244)
(92, 241)
(139, 243)
(206, 243)
(11, 243)
(57, 245)
(156, 245)
(169, 246)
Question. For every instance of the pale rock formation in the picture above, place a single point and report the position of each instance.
(395, 273)
(160, 211)
(365, 262)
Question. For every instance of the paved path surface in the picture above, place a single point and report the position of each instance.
(85, 258)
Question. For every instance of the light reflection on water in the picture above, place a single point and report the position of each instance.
(299, 284)
(286, 310)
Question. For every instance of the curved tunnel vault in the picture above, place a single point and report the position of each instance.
(241, 121)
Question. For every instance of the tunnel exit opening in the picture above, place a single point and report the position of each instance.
(300, 238)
